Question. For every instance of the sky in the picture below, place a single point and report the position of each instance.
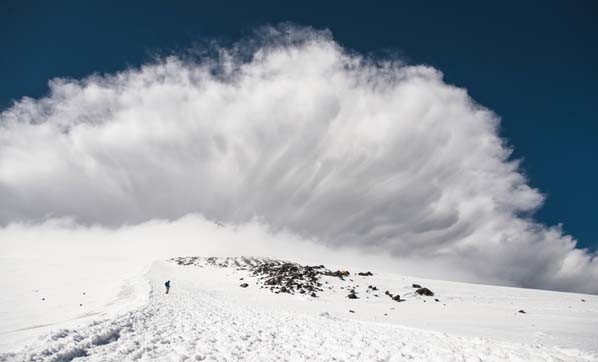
(349, 113)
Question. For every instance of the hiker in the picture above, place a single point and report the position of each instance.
(167, 285)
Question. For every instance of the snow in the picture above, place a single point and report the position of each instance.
(40, 295)
(207, 316)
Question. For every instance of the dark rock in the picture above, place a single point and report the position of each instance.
(43, 298)
(291, 277)
(341, 274)
(436, 299)
(583, 300)
(244, 285)
(366, 274)
(352, 296)
(416, 285)
(425, 291)
(396, 298)
(351, 311)
(522, 311)
(313, 295)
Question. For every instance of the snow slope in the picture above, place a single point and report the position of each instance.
(40, 295)
(207, 316)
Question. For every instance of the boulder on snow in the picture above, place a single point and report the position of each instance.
(244, 285)
(425, 291)
(366, 274)
(352, 295)
(522, 311)
(341, 274)
(416, 286)
(396, 298)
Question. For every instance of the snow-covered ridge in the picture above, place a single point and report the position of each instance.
(209, 315)
(281, 276)
(240, 262)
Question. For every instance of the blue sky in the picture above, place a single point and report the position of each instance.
(533, 63)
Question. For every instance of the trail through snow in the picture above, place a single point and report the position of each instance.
(193, 324)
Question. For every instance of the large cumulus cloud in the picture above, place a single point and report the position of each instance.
(295, 131)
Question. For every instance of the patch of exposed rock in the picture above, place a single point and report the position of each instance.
(276, 275)
(425, 291)
(290, 277)
(239, 263)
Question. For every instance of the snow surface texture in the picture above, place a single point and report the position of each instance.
(207, 316)
(40, 295)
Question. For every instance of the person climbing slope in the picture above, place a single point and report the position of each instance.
(167, 285)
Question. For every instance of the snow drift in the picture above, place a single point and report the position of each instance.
(290, 129)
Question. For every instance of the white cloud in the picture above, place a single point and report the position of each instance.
(304, 136)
